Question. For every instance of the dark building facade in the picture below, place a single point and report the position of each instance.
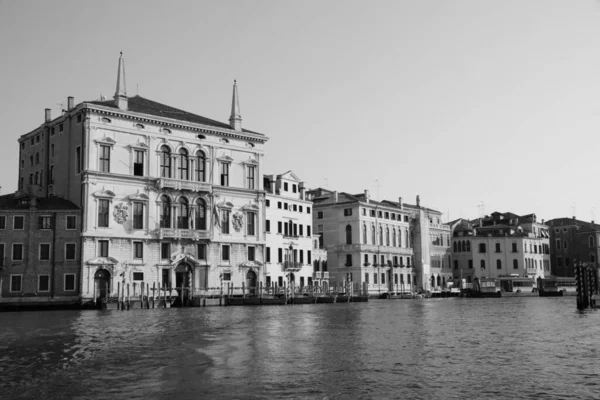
(571, 241)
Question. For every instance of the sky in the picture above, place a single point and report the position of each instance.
(474, 105)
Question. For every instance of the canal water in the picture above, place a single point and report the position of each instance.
(538, 348)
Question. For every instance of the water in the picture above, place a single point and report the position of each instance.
(404, 349)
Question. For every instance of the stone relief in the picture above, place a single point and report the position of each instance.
(237, 221)
(120, 213)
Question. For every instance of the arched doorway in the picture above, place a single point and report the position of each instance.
(251, 281)
(439, 281)
(432, 281)
(183, 280)
(101, 286)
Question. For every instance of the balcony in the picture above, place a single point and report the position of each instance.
(183, 234)
(179, 184)
(292, 266)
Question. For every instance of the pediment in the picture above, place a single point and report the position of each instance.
(251, 161)
(290, 175)
(225, 158)
(106, 140)
(183, 257)
(250, 207)
(102, 261)
(251, 264)
(225, 204)
(104, 193)
(139, 197)
(139, 145)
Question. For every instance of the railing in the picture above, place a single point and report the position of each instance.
(292, 265)
(184, 185)
(183, 234)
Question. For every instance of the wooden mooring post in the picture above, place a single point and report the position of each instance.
(586, 280)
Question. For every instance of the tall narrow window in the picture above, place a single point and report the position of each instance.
(138, 215)
(184, 165)
(183, 217)
(200, 214)
(373, 234)
(387, 236)
(51, 174)
(165, 162)
(381, 236)
(348, 234)
(200, 167)
(102, 248)
(78, 158)
(165, 212)
(364, 236)
(104, 159)
(138, 163)
(225, 221)
(103, 213)
(250, 177)
(250, 223)
(224, 174)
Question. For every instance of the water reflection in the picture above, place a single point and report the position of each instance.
(464, 348)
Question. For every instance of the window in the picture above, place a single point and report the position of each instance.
(250, 223)
(138, 163)
(294, 207)
(470, 264)
(1, 254)
(44, 222)
(183, 214)
(52, 150)
(299, 209)
(61, 128)
(31, 160)
(455, 264)
(165, 162)
(308, 230)
(279, 227)
(268, 255)
(226, 276)
(319, 214)
(69, 282)
(382, 278)
(285, 186)
(2, 221)
(497, 247)
(279, 204)
(308, 210)
(44, 251)
(482, 264)
(224, 174)
(16, 283)
(347, 212)
(18, 222)
(268, 202)
(498, 264)
(184, 165)
(43, 283)
(17, 252)
(348, 234)
(515, 264)
(348, 260)
(300, 228)
(138, 250)
(225, 252)
(78, 118)
(104, 159)
(165, 251)
(70, 250)
(308, 257)
(51, 174)
(200, 166)
(514, 247)
(482, 247)
(592, 241)
(225, 221)
(37, 158)
(280, 255)
(375, 279)
(200, 214)
(285, 206)
(268, 225)
(165, 212)
(138, 215)
(138, 276)
(103, 248)
(251, 253)
(250, 177)
(202, 251)
(293, 188)
(103, 213)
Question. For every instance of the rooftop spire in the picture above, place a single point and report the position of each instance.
(235, 120)
(121, 91)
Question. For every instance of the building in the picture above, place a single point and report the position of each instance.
(39, 251)
(289, 236)
(501, 245)
(169, 198)
(387, 246)
(571, 240)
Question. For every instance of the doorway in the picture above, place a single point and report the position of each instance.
(182, 281)
(102, 286)
(251, 282)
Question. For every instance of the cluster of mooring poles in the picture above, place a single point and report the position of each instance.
(586, 280)
(149, 297)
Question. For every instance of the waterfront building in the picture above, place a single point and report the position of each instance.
(39, 250)
(288, 226)
(320, 271)
(169, 198)
(387, 246)
(501, 245)
(572, 240)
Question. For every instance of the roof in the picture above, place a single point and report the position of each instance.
(324, 196)
(13, 202)
(142, 105)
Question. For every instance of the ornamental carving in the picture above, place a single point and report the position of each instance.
(120, 213)
(237, 221)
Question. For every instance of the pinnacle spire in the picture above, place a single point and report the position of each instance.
(235, 120)
(121, 91)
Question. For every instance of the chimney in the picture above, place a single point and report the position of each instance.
(70, 103)
(400, 203)
(367, 195)
(335, 196)
(48, 115)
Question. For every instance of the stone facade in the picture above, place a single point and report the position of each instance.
(39, 250)
(572, 240)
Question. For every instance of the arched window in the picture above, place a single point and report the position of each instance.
(364, 236)
(200, 167)
(406, 238)
(200, 214)
(482, 264)
(455, 247)
(165, 212)
(439, 281)
(184, 165)
(184, 213)
(498, 264)
(399, 237)
(381, 236)
(373, 234)
(592, 241)
(348, 234)
(459, 246)
(468, 245)
(515, 264)
(394, 237)
(592, 257)
(165, 162)
(535, 264)
(387, 236)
